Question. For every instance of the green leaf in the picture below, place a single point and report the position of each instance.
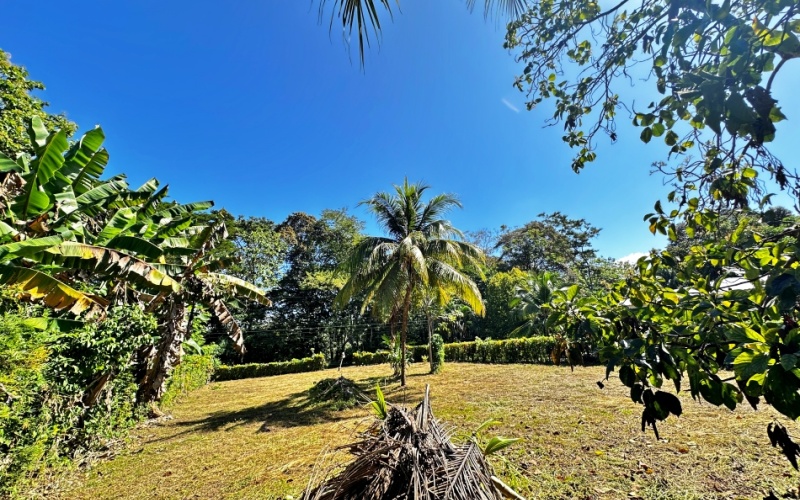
(748, 363)
(52, 292)
(572, 292)
(646, 135)
(627, 375)
(489, 423)
(788, 361)
(379, 405)
(497, 443)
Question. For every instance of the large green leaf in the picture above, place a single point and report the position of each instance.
(120, 222)
(39, 286)
(235, 286)
(27, 248)
(85, 161)
(137, 246)
(110, 263)
(8, 165)
(103, 192)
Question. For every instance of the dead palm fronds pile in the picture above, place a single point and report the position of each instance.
(408, 455)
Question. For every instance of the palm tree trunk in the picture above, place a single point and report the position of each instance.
(404, 334)
(430, 335)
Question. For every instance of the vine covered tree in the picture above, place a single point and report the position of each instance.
(18, 105)
(422, 252)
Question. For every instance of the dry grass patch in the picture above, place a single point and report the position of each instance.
(260, 438)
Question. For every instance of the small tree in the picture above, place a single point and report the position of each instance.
(422, 251)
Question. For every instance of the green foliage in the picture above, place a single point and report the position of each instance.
(517, 350)
(711, 67)
(496, 443)
(194, 372)
(336, 393)
(501, 290)
(361, 358)
(18, 105)
(252, 370)
(554, 243)
(437, 351)
(379, 405)
(49, 382)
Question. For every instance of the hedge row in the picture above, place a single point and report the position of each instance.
(251, 370)
(534, 350)
(361, 358)
(194, 372)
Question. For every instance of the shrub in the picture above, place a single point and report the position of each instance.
(65, 393)
(336, 393)
(194, 372)
(437, 353)
(252, 370)
(370, 358)
(418, 352)
(518, 350)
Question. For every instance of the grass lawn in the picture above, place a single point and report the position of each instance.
(261, 438)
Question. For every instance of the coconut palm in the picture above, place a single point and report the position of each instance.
(362, 15)
(421, 251)
(535, 294)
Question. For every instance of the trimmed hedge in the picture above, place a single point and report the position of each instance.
(362, 358)
(535, 350)
(252, 370)
(194, 372)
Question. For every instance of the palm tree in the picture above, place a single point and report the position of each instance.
(363, 15)
(529, 303)
(421, 251)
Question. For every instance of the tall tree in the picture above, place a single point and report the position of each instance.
(18, 105)
(421, 252)
(553, 243)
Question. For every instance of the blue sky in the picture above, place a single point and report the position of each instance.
(254, 104)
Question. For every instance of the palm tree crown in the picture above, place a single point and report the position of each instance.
(421, 252)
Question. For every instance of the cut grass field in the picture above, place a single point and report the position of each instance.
(261, 438)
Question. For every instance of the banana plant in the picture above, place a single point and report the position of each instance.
(62, 226)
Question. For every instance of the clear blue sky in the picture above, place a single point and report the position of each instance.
(252, 103)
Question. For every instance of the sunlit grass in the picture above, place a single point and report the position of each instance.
(260, 438)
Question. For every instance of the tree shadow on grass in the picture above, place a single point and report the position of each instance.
(292, 411)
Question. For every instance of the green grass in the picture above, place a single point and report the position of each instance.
(261, 438)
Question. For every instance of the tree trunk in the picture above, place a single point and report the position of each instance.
(430, 336)
(404, 335)
(168, 353)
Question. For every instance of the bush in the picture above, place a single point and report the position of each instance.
(370, 358)
(252, 370)
(194, 372)
(437, 351)
(418, 352)
(65, 393)
(518, 350)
